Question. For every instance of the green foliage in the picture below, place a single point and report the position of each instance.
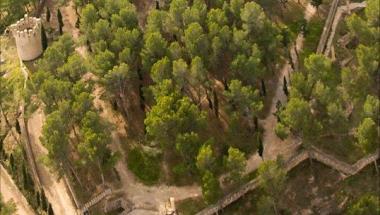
(265, 205)
(235, 164)
(243, 98)
(272, 178)
(366, 29)
(172, 116)
(205, 158)
(155, 48)
(7, 208)
(210, 187)
(161, 70)
(119, 79)
(180, 72)
(12, 10)
(95, 138)
(145, 166)
(253, 18)
(367, 135)
(56, 55)
(188, 145)
(56, 139)
(281, 131)
(298, 116)
(365, 205)
(371, 107)
(196, 41)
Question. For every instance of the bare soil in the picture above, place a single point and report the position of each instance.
(10, 192)
(55, 190)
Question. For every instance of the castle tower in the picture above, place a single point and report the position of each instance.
(27, 33)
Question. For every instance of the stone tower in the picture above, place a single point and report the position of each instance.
(27, 33)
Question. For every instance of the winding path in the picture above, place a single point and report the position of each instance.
(143, 197)
(274, 146)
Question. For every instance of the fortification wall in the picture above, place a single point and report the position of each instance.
(27, 33)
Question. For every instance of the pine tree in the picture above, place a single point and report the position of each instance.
(44, 38)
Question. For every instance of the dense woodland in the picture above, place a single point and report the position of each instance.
(191, 84)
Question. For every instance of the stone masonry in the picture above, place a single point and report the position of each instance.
(27, 33)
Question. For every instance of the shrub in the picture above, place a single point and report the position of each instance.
(145, 166)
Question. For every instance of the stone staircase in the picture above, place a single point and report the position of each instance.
(95, 200)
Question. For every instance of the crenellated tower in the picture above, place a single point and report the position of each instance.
(27, 33)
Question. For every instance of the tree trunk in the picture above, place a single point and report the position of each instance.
(376, 167)
(216, 104)
(142, 98)
(69, 165)
(123, 109)
(210, 105)
(225, 84)
(275, 207)
(75, 134)
(101, 173)
(9, 125)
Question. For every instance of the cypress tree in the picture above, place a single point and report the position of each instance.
(157, 5)
(38, 199)
(18, 129)
(261, 148)
(263, 89)
(12, 162)
(44, 38)
(25, 178)
(50, 210)
(285, 87)
(77, 23)
(48, 15)
(43, 201)
(2, 151)
(60, 21)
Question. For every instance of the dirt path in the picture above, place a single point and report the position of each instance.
(274, 146)
(9, 191)
(142, 8)
(56, 191)
(142, 196)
